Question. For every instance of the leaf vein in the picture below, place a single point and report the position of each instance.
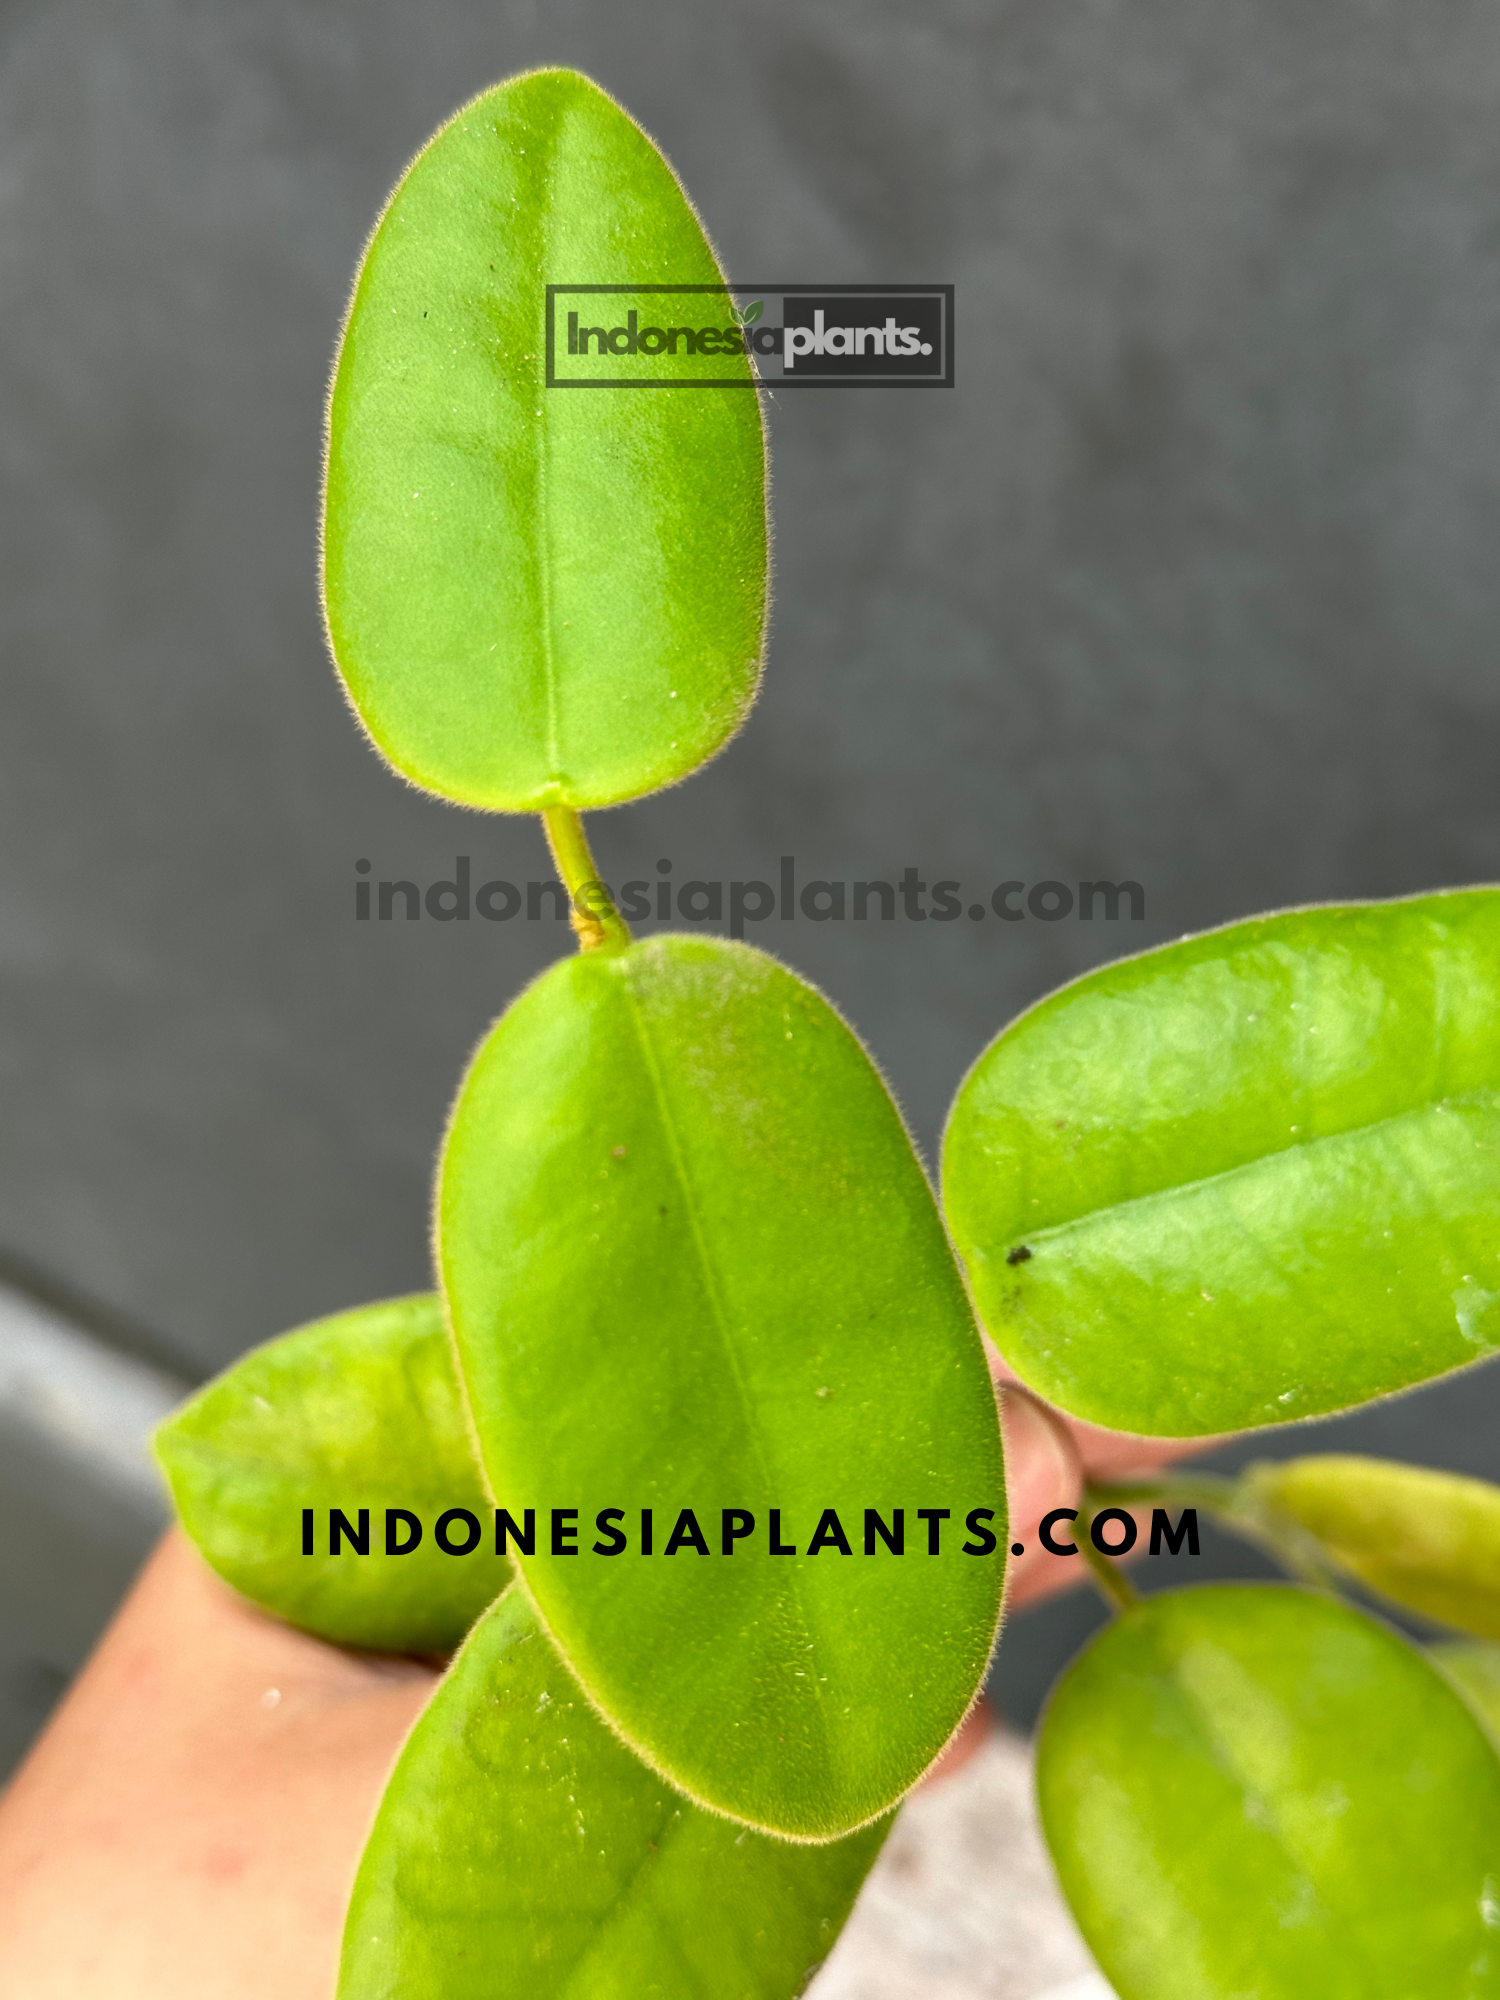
(718, 1309)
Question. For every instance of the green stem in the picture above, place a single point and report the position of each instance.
(1117, 1590)
(593, 916)
(1212, 1492)
(1235, 1506)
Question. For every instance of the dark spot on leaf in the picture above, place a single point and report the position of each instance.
(1020, 1255)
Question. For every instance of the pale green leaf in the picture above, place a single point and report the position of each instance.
(360, 1411)
(1249, 1177)
(522, 1853)
(1429, 1541)
(538, 596)
(1253, 1790)
(692, 1263)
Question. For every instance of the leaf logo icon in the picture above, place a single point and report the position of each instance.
(748, 315)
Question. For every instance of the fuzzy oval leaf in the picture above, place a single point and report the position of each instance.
(521, 1850)
(1251, 1789)
(361, 1410)
(1246, 1178)
(1427, 1540)
(693, 1264)
(538, 596)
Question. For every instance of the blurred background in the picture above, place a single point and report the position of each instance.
(1190, 580)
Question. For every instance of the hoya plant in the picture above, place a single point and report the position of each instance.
(689, 1464)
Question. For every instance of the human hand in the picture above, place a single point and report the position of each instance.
(189, 1825)
(1048, 1459)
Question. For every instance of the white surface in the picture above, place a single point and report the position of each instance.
(962, 1904)
(81, 1403)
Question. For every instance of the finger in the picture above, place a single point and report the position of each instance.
(1106, 1454)
(1042, 1472)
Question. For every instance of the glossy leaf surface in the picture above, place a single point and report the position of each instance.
(1255, 1790)
(693, 1263)
(1246, 1178)
(538, 596)
(1429, 1541)
(358, 1411)
(521, 1850)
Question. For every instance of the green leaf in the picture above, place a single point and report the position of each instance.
(1474, 1670)
(521, 1850)
(692, 1263)
(358, 1411)
(1254, 1790)
(1249, 1177)
(537, 596)
(1427, 1540)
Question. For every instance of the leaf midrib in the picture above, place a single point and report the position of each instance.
(618, 1913)
(1181, 1189)
(1220, 1754)
(545, 592)
(718, 1311)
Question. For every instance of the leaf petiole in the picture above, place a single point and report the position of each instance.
(591, 911)
(1116, 1588)
(1235, 1505)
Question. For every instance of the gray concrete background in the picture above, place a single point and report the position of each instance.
(1191, 579)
